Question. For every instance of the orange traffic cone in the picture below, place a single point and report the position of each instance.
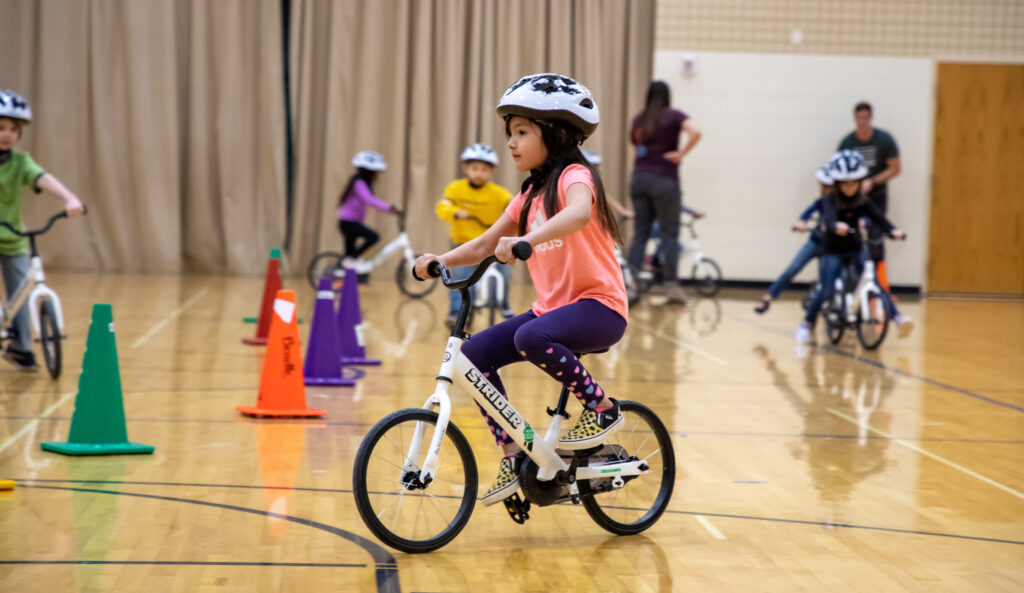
(271, 285)
(282, 390)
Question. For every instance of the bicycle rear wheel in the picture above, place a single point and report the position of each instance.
(324, 264)
(835, 318)
(707, 277)
(394, 505)
(637, 503)
(50, 338)
(409, 285)
(871, 331)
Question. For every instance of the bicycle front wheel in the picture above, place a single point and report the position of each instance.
(49, 337)
(635, 504)
(327, 263)
(409, 285)
(871, 331)
(835, 318)
(402, 512)
(707, 277)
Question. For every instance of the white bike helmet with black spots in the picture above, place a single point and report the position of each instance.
(551, 96)
(592, 158)
(823, 175)
(847, 165)
(14, 106)
(479, 151)
(369, 160)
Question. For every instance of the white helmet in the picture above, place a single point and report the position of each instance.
(370, 160)
(12, 105)
(592, 158)
(823, 175)
(480, 152)
(847, 165)
(551, 96)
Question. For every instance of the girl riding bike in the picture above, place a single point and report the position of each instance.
(358, 194)
(562, 211)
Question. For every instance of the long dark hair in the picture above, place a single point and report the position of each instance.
(366, 175)
(563, 143)
(659, 97)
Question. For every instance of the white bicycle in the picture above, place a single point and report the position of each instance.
(331, 263)
(415, 477)
(47, 316)
(705, 274)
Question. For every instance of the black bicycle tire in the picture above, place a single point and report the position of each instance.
(704, 288)
(886, 307)
(362, 496)
(410, 286)
(311, 276)
(591, 502)
(49, 333)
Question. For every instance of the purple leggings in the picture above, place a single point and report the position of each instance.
(548, 341)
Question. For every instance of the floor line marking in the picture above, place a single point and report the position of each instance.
(690, 347)
(709, 526)
(171, 317)
(29, 427)
(938, 458)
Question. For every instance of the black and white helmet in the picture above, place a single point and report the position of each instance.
(479, 151)
(551, 96)
(847, 165)
(370, 160)
(14, 106)
(823, 175)
(592, 158)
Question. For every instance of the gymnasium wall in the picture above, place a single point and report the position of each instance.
(773, 86)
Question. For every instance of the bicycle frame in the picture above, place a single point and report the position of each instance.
(490, 275)
(399, 242)
(32, 290)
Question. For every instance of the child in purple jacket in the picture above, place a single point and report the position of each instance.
(352, 205)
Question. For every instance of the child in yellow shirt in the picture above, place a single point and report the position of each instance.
(470, 206)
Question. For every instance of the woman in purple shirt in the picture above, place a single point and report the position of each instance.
(357, 196)
(655, 187)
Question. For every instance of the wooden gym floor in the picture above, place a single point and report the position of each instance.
(830, 469)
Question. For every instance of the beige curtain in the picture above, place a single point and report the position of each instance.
(418, 81)
(165, 118)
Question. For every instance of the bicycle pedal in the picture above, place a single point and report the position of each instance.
(518, 508)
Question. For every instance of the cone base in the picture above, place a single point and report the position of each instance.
(250, 320)
(330, 381)
(7, 484)
(78, 449)
(255, 341)
(363, 361)
(279, 413)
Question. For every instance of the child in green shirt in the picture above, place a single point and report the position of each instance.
(17, 170)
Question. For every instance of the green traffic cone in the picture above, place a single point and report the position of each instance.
(98, 426)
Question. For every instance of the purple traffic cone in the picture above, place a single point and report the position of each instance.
(350, 322)
(323, 354)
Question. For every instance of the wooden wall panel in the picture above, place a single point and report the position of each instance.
(977, 214)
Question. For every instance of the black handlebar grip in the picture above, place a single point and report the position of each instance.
(434, 269)
(522, 250)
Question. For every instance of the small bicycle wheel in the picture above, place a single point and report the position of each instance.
(324, 264)
(707, 277)
(871, 331)
(402, 512)
(49, 337)
(409, 285)
(637, 502)
(835, 318)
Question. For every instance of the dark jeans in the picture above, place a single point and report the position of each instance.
(656, 198)
(831, 266)
(809, 251)
(354, 231)
(548, 342)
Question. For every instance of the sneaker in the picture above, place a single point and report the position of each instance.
(762, 306)
(803, 334)
(24, 361)
(508, 313)
(449, 321)
(507, 481)
(592, 428)
(677, 296)
(905, 323)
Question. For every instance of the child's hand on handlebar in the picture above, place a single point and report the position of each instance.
(842, 229)
(73, 206)
(504, 249)
(898, 235)
(800, 226)
(422, 262)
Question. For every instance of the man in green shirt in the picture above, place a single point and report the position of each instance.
(18, 170)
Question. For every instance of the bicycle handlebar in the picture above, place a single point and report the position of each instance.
(42, 231)
(522, 250)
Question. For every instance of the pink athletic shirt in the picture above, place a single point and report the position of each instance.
(580, 265)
